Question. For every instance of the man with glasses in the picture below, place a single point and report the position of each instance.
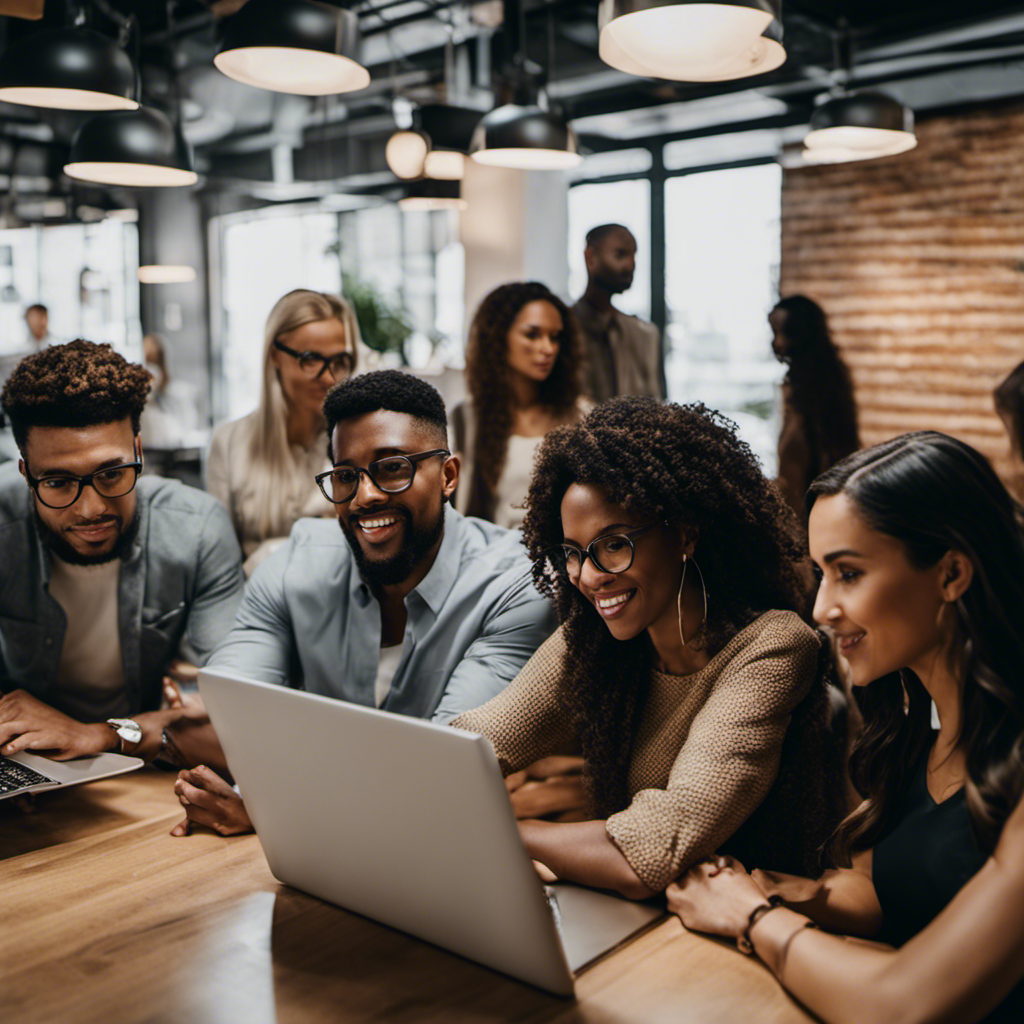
(409, 607)
(104, 575)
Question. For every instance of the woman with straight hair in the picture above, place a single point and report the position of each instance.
(523, 377)
(819, 415)
(682, 662)
(262, 467)
(922, 561)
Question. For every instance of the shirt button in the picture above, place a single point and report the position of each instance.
(49, 641)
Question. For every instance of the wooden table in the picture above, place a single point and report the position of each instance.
(108, 918)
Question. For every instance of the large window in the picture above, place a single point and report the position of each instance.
(722, 246)
(85, 274)
(413, 260)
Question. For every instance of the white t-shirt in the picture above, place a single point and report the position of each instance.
(390, 659)
(90, 673)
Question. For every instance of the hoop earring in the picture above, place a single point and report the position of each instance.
(679, 601)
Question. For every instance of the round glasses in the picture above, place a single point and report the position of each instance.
(391, 475)
(62, 490)
(612, 553)
(313, 364)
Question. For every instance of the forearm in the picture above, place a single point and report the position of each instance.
(583, 852)
(842, 901)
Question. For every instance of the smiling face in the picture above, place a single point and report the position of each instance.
(92, 529)
(643, 596)
(325, 337)
(394, 537)
(885, 613)
(534, 340)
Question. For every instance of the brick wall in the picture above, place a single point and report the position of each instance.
(919, 262)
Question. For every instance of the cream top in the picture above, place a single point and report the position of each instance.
(229, 480)
(514, 483)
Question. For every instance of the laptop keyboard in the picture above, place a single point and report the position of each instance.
(14, 776)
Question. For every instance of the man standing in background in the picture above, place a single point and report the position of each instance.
(37, 318)
(623, 352)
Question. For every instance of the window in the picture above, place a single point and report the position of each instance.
(722, 241)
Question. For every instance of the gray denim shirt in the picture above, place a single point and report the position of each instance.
(182, 579)
(310, 622)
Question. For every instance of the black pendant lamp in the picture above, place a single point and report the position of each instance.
(294, 46)
(137, 148)
(525, 136)
(68, 69)
(691, 40)
(433, 194)
(859, 126)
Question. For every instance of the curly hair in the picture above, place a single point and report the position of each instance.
(385, 389)
(488, 379)
(683, 464)
(80, 384)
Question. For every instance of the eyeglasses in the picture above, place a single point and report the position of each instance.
(391, 475)
(611, 553)
(313, 364)
(62, 490)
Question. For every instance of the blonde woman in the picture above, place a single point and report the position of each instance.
(262, 467)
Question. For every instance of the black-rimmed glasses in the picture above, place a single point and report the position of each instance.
(62, 490)
(313, 364)
(612, 553)
(391, 475)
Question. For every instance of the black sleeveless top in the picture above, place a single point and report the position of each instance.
(923, 863)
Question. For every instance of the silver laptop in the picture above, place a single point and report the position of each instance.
(410, 824)
(32, 773)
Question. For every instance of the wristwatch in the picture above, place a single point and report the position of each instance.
(128, 731)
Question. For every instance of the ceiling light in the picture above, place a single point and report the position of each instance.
(444, 165)
(860, 126)
(406, 152)
(166, 273)
(69, 69)
(294, 46)
(428, 194)
(690, 41)
(133, 148)
(524, 137)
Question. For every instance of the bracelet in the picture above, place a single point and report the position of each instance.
(743, 942)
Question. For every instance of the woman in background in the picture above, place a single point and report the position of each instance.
(922, 562)
(262, 467)
(819, 415)
(171, 418)
(522, 370)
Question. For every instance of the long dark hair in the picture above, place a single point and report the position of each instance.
(819, 383)
(683, 464)
(490, 388)
(935, 494)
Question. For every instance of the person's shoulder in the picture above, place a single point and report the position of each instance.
(488, 544)
(773, 635)
(228, 434)
(639, 325)
(14, 495)
(165, 496)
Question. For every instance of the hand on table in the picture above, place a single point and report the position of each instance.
(208, 800)
(28, 724)
(715, 896)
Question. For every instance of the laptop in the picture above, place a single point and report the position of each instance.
(31, 773)
(410, 824)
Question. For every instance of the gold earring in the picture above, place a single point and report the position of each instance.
(679, 600)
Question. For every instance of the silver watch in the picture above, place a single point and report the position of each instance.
(128, 731)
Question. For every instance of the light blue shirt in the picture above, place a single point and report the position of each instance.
(310, 622)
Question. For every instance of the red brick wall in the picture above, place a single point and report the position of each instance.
(918, 260)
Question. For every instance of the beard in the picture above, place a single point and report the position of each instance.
(416, 545)
(55, 542)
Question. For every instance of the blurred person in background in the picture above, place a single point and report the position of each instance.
(819, 414)
(37, 319)
(623, 353)
(522, 372)
(170, 419)
(262, 466)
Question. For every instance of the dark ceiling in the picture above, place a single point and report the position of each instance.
(931, 55)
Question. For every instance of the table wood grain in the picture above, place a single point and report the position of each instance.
(108, 918)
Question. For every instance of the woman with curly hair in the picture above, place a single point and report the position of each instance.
(261, 468)
(922, 585)
(819, 415)
(522, 371)
(682, 663)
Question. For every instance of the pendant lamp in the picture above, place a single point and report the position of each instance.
(444, 165)
(406, 153)
(432, 194)
(166, 273)
(859, 126)
(68, 69)
(295, 46)
(526, 137)
(134, 148)
(689, 40)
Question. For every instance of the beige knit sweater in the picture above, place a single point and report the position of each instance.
(708, 747)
